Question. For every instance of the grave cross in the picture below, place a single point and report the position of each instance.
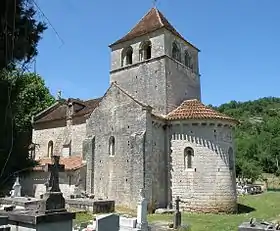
(55, 168)
(177, 214)
(177, 201)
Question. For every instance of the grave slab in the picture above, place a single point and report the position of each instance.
(94, 206)
(48, 214)
(257, 226)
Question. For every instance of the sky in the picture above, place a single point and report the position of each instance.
(239, 42)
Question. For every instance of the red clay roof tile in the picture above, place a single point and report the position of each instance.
(71, 163)
(152, 21)
(194, 109)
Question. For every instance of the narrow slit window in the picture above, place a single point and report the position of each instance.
(50, 148)
(112, 147)
(230, 159)
(188, 158)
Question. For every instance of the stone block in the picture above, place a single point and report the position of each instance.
(126, 222)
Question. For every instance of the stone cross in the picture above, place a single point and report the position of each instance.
(154, 3)
(54, 200)
(16, 192)
(55, 168)
(177, 214)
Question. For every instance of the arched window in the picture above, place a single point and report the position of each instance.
(112, 146)
(145, 50)
(187, 59)
(188, 157)
(127, 54)
(176, 52)
(230, 159)
(50, 148)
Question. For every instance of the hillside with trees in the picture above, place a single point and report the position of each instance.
(257, 137)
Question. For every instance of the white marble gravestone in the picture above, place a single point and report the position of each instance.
(128, 223)
(16, 191)
(140, 222)
(142, 212)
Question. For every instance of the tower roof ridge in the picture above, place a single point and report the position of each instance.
(153, 20)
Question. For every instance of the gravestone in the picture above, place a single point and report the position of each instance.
(253, 225)
(54, 200)
(177, 214)
(108, 222)
(77, 190)
(142, 212)
(128, 223)
(4, 223)
(16, 190)
(50, 214)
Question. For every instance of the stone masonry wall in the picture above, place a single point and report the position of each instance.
(210, 185)
(181, 82)
(161, 81)
(58, 135)
(158, 164)
(144, 80)
(33, 184)
(119, 176)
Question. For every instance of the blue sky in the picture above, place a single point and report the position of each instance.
(239, 42)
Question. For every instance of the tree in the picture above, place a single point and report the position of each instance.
(257, 137)
(29, 96)
(20, 32)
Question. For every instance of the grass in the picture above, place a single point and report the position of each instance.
(265, 206)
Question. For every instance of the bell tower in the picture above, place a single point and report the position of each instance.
(155, 64)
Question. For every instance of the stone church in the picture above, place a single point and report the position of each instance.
(150, 129)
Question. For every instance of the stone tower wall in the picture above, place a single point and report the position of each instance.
(209, 185)
(161, 81)
(144, 80)
(182, 82)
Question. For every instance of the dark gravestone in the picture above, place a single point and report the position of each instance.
(54, 200)
(4, 223)
(108, 222)
(177, 214)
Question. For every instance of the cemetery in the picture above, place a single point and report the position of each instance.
(147, 155)
(255, 212)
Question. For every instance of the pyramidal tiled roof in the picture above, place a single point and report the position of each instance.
(152, 21)
(194, 109)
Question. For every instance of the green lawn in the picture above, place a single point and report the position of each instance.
(265, 206)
